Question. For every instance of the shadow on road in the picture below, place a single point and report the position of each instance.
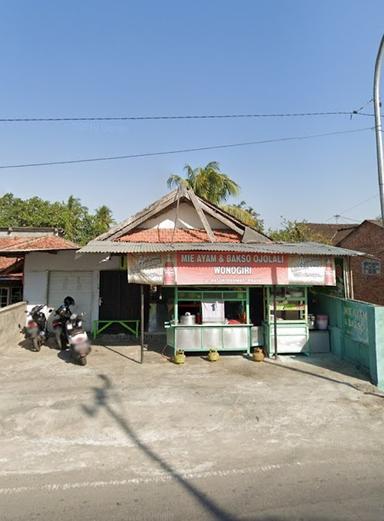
(102, 401)
(356, 387)
(26, 344)
(65, 355)
(137, 361)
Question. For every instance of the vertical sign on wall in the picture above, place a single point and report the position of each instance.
(356, 322)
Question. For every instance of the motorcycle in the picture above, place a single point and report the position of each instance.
(69, 331)
(78, 340)
(63, 313)
(36, 328)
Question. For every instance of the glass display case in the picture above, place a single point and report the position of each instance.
(290, 303)
(210, 318)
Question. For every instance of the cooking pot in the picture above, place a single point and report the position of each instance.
(188, 319)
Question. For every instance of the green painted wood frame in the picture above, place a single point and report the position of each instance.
(286, 324)
(227, 295)
(99, 326)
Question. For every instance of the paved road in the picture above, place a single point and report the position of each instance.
(332, 490)
(294, 440)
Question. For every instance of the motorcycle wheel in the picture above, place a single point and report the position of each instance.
(36, 343)
(58, 341)
(83, 360)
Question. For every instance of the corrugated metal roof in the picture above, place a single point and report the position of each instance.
(298, 248)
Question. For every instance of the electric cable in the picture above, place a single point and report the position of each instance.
(184, 150)
(354, 206)
(349, 218)
(183, 117)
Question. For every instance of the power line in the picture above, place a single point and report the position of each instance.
(178, 117)
(185, 150)
(354, 206)
(349, 218)
(365, 105)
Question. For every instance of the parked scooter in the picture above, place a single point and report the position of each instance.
(78, 340)
(70, 332)
(59, 324)
(36, 328)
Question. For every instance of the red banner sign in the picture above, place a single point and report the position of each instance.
(223, 268)
(231, 268)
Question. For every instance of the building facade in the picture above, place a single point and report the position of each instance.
(14, 243)
(183, 257)
(367, 272)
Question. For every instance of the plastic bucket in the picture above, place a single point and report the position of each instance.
(322, 322)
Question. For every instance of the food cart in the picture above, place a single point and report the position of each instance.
(211, 306)
(210, 318)
(286, 316)
(206, 280)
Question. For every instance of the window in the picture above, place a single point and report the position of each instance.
(371, 267)
(4, 297)
(16, 294)
(10, 295)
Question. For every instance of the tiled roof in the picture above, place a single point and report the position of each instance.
(7, 262)
(171, 200)
(334, 233)
(11, 268)
(161, 235)
(25, 244)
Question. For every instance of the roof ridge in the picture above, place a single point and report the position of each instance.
(126, 222)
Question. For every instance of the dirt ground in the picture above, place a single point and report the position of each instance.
(205, 433)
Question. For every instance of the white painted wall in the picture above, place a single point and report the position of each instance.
(38, 265)
(188, 218)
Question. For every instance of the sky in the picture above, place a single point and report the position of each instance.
(176, 57)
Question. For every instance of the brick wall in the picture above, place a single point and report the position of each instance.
(368, 238)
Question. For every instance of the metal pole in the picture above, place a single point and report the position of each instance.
(142, 323)
(378, 126)
(274, 323)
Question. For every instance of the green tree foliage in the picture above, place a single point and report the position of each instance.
(78, 223)
(207, 182)
(213, 185)
(296, 231)
(246, 214)
(102, 220)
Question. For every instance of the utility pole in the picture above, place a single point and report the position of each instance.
(378, 126)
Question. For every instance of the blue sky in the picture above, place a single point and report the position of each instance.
(177, 57)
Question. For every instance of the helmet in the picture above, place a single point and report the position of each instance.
(69, 301)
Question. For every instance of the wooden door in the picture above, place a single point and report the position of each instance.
(118, 299)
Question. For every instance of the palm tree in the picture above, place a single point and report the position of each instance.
(102, 220)
(207, 182)
(73, 213)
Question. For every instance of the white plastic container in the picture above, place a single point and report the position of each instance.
(188, 319)
(322, 322)
(311, 321)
